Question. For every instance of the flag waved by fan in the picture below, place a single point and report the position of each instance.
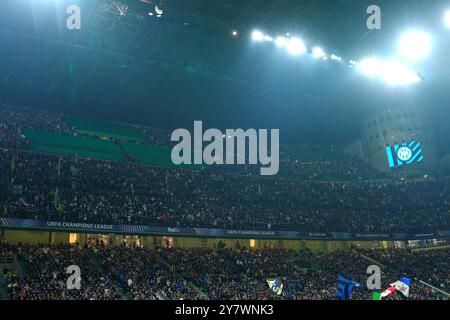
(275, 285)
(401, 286)
(345, 287)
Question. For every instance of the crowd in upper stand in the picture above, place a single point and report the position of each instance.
(314, 163)
(44, 186)
(51, 187)
(123, 272)
(13, 120)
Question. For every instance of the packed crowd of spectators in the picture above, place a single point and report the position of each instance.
(44, 274)
(4, 251)
(300, 162)
(52, 187)
(13, 121)
(430, 265)
(222, 274)
(143, 275)
(242, 274)
(216, 274)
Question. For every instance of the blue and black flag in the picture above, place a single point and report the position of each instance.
(345, 287)
(275, 285)
(405, 153)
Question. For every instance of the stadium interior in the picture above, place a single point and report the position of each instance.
(87, 177)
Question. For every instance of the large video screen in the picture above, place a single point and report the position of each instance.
(404, 154)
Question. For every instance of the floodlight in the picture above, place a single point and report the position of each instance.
(415, 45)
(397, 74)
(296, 46)
(335, 57)
(447, 18)
(318, 52)
(370, 66)
(281, 41)
(257, 35)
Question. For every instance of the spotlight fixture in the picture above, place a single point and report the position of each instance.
(447, 18)
(415, 45)
(391, 72)
(370, 66)
(257, 35)
(281, 41)
(335, 57)
(318, 52)
(395, 74)
(296, 46)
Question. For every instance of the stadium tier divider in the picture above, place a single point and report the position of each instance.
(99, 128)
(85, 147)
(96, 148)
(146, 154)
(153, 156)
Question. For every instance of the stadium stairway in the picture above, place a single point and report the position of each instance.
(127, 155)
(203, 294)
(369, 259)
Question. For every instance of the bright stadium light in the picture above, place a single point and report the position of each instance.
(268, 38)
(447, 19)
(257, 35)
(370, 66)
(396, 74)
(415, 45)
(296, 46)
(335, 57)
(391, 72)
(281, 41)
(318, 52)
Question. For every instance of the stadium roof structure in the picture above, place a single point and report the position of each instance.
(197, 34)
(136, 59)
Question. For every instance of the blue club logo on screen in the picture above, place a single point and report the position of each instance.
(403, 154)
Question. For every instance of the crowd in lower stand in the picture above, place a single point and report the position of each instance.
(431, 266)
(218, 275)
(44, 274)
(144, 275)
(52, 187)
(123, 272)
(62, 188)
